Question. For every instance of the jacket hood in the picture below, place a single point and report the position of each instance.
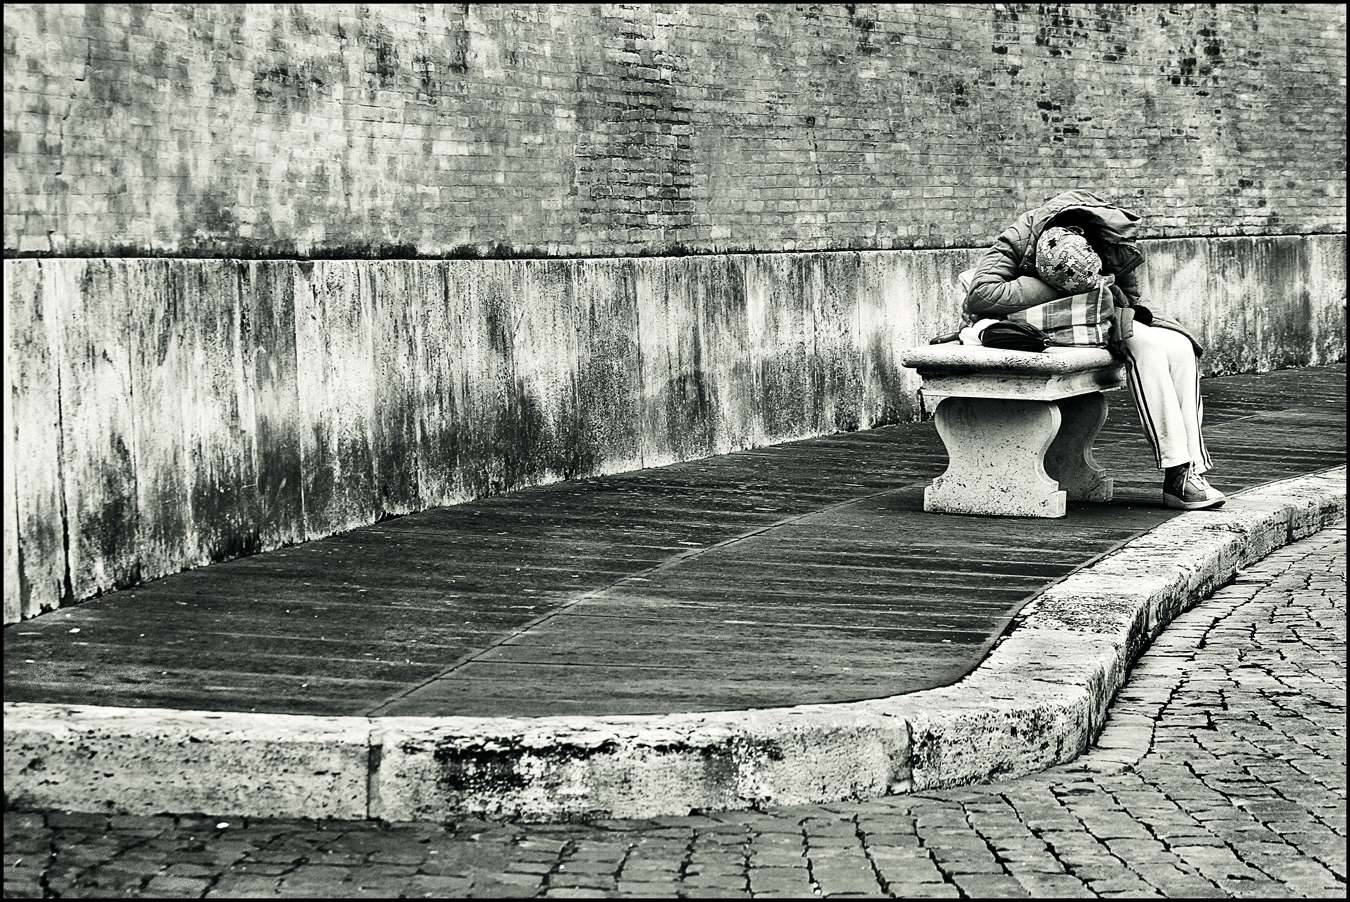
(1110, 228)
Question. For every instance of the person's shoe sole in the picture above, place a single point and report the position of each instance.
(1175, 502)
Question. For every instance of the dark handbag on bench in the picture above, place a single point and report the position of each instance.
(1009, 335)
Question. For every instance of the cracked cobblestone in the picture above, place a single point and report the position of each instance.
(1220, 773)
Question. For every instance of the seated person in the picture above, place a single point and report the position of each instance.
(1069, 245)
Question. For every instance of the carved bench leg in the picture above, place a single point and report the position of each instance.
(1070, 460)
(997, 459)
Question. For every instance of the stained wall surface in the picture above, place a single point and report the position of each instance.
(274, 272)
(170, 413)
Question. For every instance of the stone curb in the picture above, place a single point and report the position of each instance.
(1037, 700)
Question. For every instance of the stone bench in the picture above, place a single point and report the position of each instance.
(1018, 427)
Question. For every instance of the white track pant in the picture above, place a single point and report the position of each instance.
(1165, 382)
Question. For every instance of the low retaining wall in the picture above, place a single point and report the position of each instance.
(167, 413)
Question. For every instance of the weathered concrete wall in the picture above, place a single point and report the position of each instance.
(1256, 304)
(166, 413)
(169, 413)
(333, 130)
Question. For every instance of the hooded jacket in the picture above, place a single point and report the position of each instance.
(1005, 281)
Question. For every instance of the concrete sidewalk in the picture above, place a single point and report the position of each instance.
(777, 626)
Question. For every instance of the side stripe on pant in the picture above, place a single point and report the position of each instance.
(1141, 405)
(1200, 419)
(1146, 416)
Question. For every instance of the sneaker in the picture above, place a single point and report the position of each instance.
(1190, 492)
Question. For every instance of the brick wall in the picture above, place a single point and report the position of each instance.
(595, 130)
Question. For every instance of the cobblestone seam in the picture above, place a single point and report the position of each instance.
(1029, 857)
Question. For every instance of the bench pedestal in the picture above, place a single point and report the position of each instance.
(1069, 460)
(1018, 427)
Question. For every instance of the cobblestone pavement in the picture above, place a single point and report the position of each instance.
(1221, 773)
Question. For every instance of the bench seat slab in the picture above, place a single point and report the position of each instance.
(1024, 386)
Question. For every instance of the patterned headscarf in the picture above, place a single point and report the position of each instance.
(1065, 260)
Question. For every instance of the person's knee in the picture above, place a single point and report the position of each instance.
(1171, 351)
(1177, 346)
(1146, 349)
(1158, 347)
